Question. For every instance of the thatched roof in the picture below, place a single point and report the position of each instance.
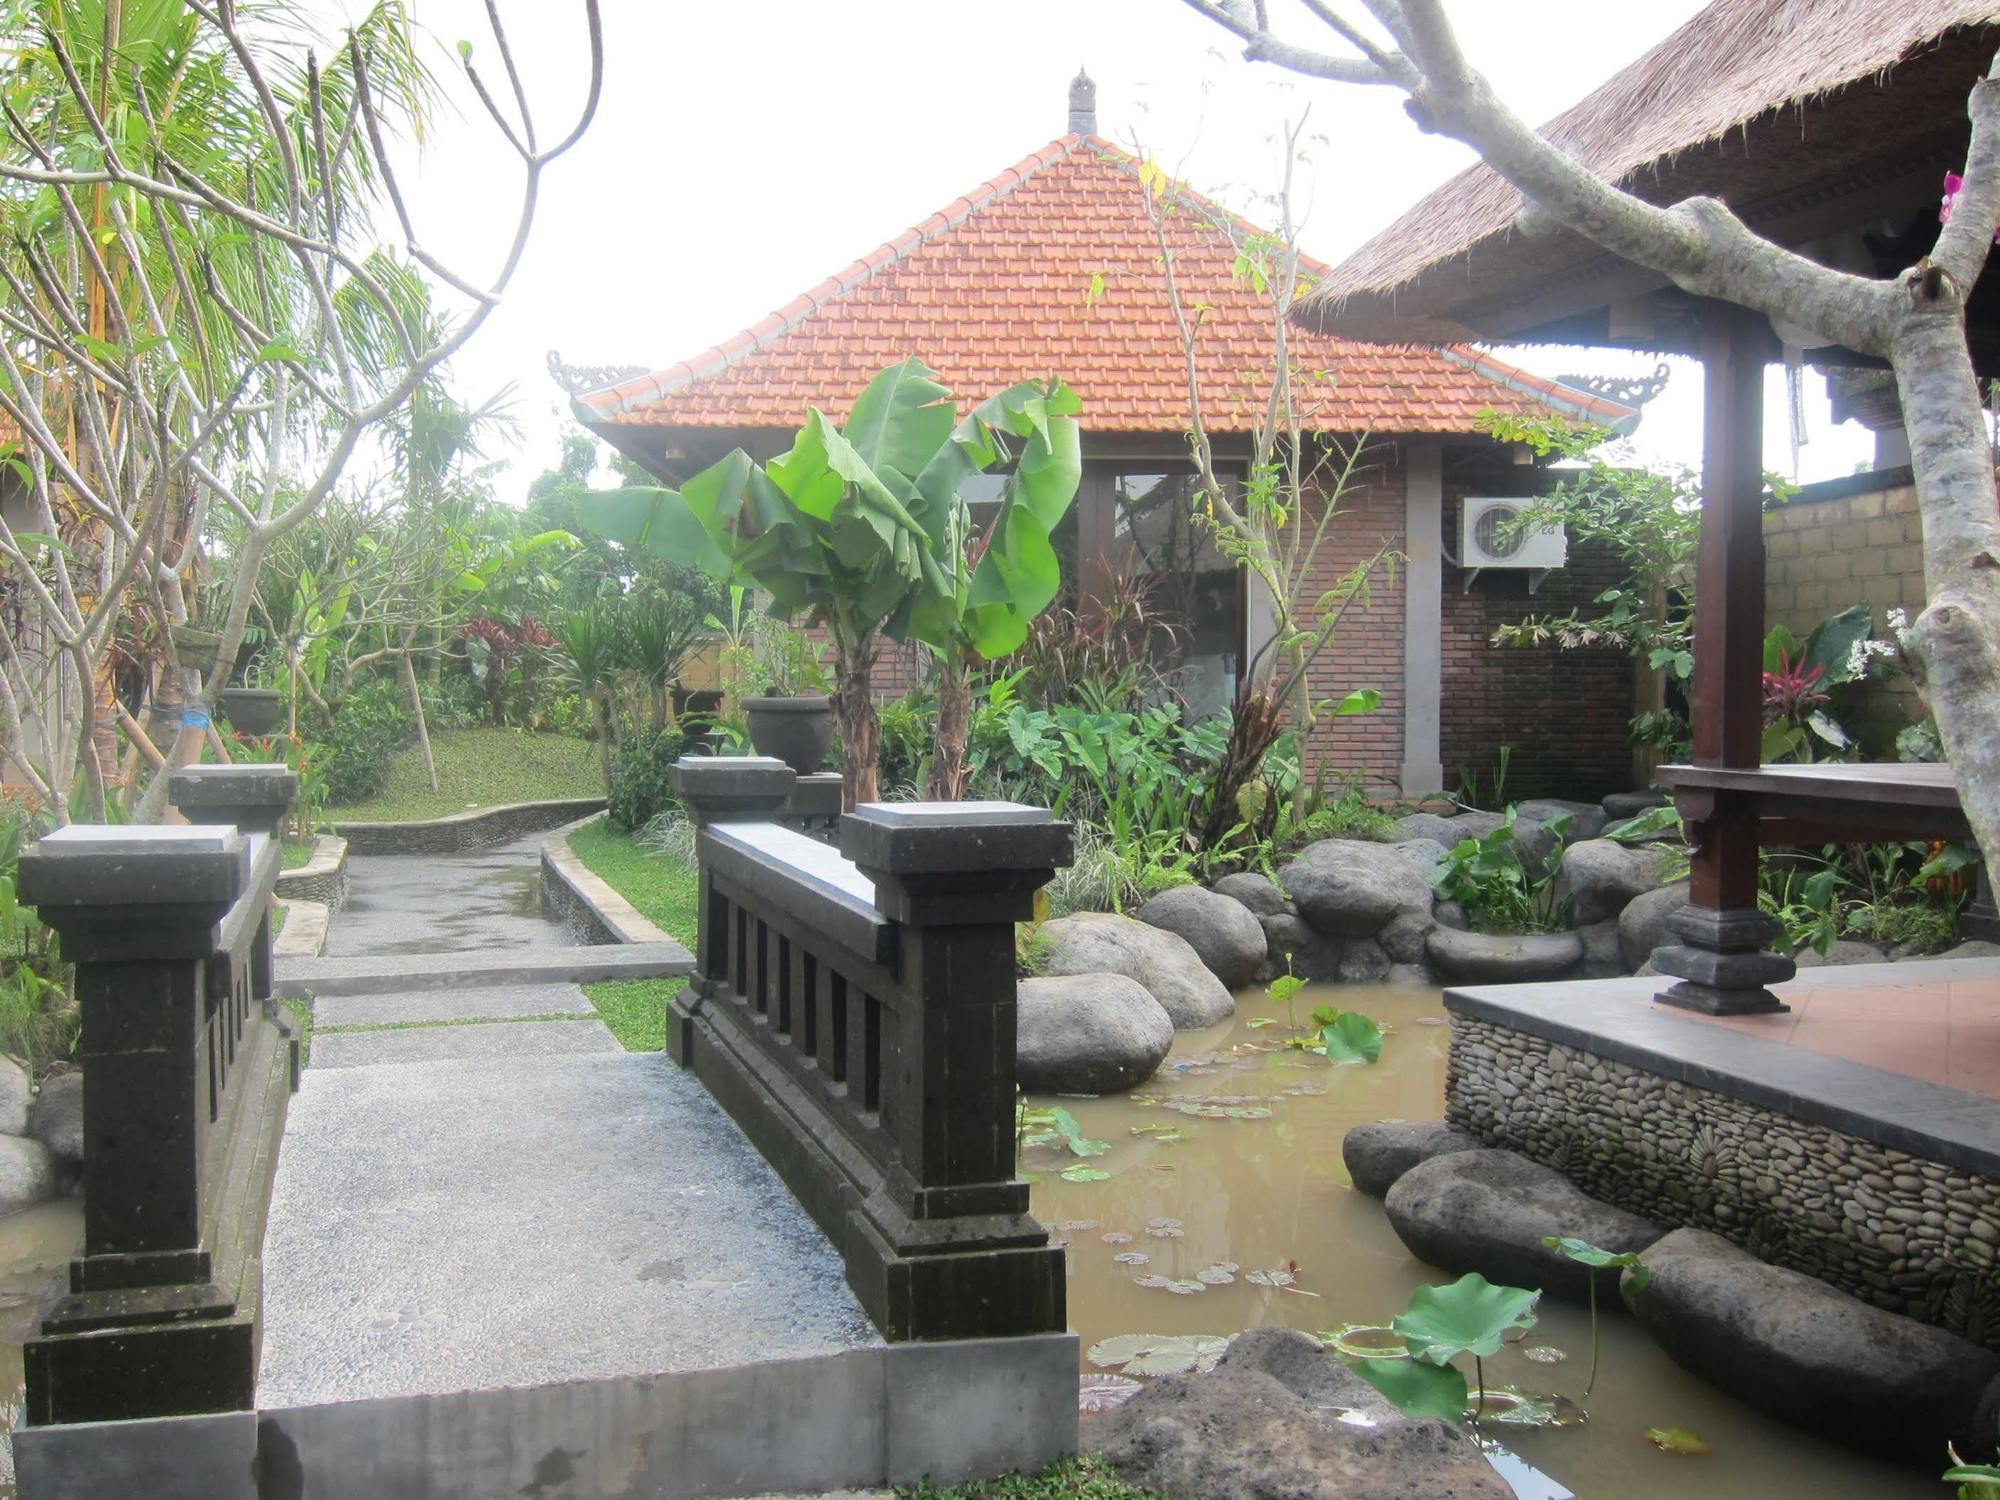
(1741, 102)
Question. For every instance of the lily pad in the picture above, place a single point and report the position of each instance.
(1276, 1276)
(1247, 1112)
(1417, 1389)
(1676, 1440)
(1099, 1392)
(1085, 1174)
(1167, 1234)
(1366, 1341)
(1165, 1224)
(1158, 1353)
(1116, 1237)
(1217, 1275)
(1471, 1316)
(1131, 1258)
(1351, 1038)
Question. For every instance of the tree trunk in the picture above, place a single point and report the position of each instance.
(417, 710)
(1956, 640)
(598, 695)
(854, 709)
(954, 721)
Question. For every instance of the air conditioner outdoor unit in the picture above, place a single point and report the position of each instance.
(1487, 539)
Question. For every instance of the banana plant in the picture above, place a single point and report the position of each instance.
(861, 530)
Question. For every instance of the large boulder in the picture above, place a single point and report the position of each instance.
(1586, 819)
(1354, 889)
(1490, 958)
(1601, 956)
(1403, 939)
(15, 1093)
(1971, 948)
(1362, 961)
(1225, 933)
(1839, 953)
(27, 1173)
(1489, 1211)
(1642, 925)
(1282, 1418)
(1097, 942)
(1376, 1155)
(1535, 840)
(1622, 805)
(1088, 1034)
(1296, 947)
(1790, 1345)
(1258, 892)
(1605, 875)
(56, 1117)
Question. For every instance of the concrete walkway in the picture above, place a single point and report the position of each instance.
(479, 1188)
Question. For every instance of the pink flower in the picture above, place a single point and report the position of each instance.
(1953, 186)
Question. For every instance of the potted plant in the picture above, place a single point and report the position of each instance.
(792, 716)
(254, 711)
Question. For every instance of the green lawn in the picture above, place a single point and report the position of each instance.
(482, 768)
(296, 854)
(665, 892)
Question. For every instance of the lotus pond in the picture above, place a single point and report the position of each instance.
(1219, 1203)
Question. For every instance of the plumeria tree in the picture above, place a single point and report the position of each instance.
(217, 292)
(1915, 321)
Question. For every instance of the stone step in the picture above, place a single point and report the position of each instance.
(504, 1002)
(398, 1046)
(390, 974)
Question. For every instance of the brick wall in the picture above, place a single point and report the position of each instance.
(1368, 651)
(1565, 716)
(1849, 541)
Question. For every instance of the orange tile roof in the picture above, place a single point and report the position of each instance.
(996, 289)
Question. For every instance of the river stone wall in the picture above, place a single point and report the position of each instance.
(1904, 1233)
(468, 830)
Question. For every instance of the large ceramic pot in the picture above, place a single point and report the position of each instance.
(252, 711)
(795, 730)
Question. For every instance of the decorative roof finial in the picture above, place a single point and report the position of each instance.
(1082, 104)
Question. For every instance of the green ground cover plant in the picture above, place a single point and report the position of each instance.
(481, 768)
(1083, 1478)
(659, 880)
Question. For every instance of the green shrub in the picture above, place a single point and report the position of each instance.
(906, 730)
(642, 784)
(452, 703)
(360, 739)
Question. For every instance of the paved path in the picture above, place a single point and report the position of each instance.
(480, 1188)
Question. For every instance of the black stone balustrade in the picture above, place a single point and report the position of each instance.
(854, 1011)
(188, 1065)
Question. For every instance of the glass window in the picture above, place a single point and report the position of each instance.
(1156, 537)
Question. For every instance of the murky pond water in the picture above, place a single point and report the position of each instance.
(1265, 1190)
(34, 1245)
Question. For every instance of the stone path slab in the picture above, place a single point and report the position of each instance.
(371, 975)
(400, 1046)
(468, 902)
(467, 1225)
(500, 1002)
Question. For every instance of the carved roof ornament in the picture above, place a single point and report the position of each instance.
(576, 379)
(1634, 392)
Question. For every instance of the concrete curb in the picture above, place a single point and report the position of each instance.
(580, 899)
(323, 878)
(394, 973)
(306, 923)
(476, 829)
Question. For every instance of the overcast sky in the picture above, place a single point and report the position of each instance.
(745, 150)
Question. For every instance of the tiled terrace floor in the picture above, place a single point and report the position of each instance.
(1943, 1031)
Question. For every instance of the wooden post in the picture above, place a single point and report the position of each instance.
(1722, 960)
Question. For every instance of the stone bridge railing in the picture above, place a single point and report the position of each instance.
(853, 1010)
(188, 1066)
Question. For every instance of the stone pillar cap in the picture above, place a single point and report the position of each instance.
(135, 865)
(233, 786)
(909, 838)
